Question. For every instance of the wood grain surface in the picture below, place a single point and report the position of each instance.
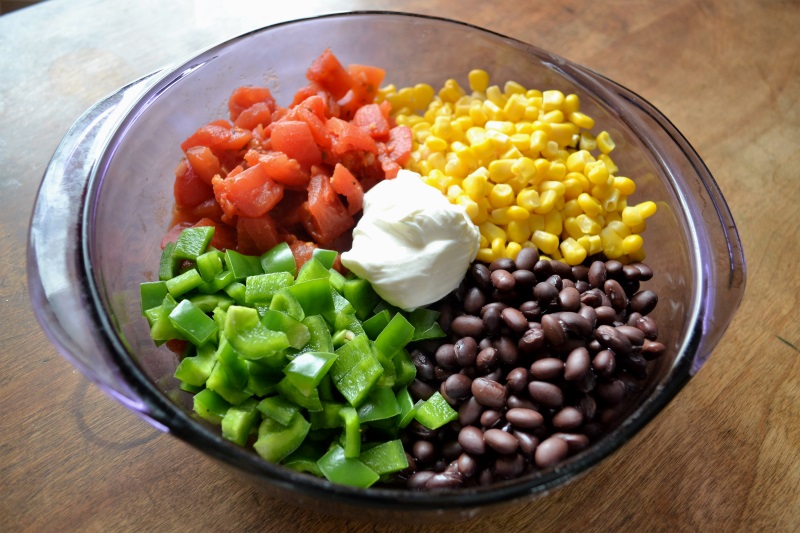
(723, 456)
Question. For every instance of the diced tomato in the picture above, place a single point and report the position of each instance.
(366, 80)
(328, 73)
(329, 217)
(371, 119)
(282, 169)
(245, 97)
(189, 190)
(312, 112)
(250, 193)
(294, 138)
(255, 115)
(348, 137)
(208, 209)
(389, 166)
(302, 251)
(218, 137)
(256, 235)
(399, 144)
(344, 183)
(204, 163)
(224, 237)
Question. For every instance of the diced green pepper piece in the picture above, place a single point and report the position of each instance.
(425, 324)
(360, 293)
(237, 291)
(219, 381)
(152, 315)
(218, 315)
(295, 331)
(168, 265)
(262, 287)
(328, 417)
(325, 388)
(337, 468)
(349, 355)
(319, 335)
(314, 296)
(278, 408)
(191, 389)
(408, 409)
(152, 294)
(248, 335)
(209, 264)
(379, 405)
(310, 401)
(394, 336)
(337, 280)
(348, 322)
(389, 376)
(163, 329)
(219, 282)
(276, 441)
(183, 283)
(239, 421)
(210, 406)
(435, 412)
(279, 259)
(196, 369)
(262, 377)
(304, 458)
(313, 269)
(193, 242)
(385, 458)
(340, 305)
(352, 432)
(404, 368)
(326, 257)
(375, 324)
(235, 368)
(285, 302)
(242, 266)
(307, 369)
(360, 380)
(208, 302)
(196, 326)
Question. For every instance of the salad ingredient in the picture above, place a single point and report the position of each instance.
(281, 358)
(525, 166)
(409, 228)
(544, 357)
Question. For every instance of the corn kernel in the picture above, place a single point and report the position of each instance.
(557, 170)
(610, 165)
(529, 199)
(573, 187)
(611, 242)
(620, 228)
(553, 222)
(557, 186)
(538, 141)
(498, 248)
(581, 120)
(587, 141)
(385, 91)
(547, 201)
(572, 209)
(485, 255)
(546, 242)
(436, 160)
(632, 244)
(512, 250)
(604, 142)
(515, 107)
(597, 172)
(474, 184)
(501, 195)
(469, 205)
(477, 115)
(610, 203)
(500, 170)
(518, 231)
(512, 87)
(492, 231)
(626, 186)
(590, 205)
(572, 252)
(503, 126)
(536, 222)
(422, 95)
(551, 150)
(591, 243)
(500, 140)
(571, 104)
(496, 97)
(523, 126)
(483, 150)
(552, 100)
(478, 80)
(562, 133)
(572, 228)
(521, 141)
(436, 144)
(588, 225)
(552, 117)
(639, 228)
(576, 161)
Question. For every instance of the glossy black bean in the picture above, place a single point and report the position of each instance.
(545, 293)
(611, 392)
(467, 465)
(440, 374)
(525, 418)
(458, 387)
(446, 356)
(466, 351)
(616, 294)
(507, 350)
(547, 369)
(527, 258)
(575, 323)
(577, 364)
(546, 394)
(423, 365)
(604, 363)
(471, 440)
(467, 326)
(531, 310)
(555, 281)
(614, 268)
(567, 419)
(491, 418)
(492, 321)
(502, 264)
(469, 412)
(605, 315)
(589, 314)
(614, 341)
(542, 269)
(588, 406)
(652, 349)
(561, 269)
(420, 390)
(631, 273)
(424, 452)
(592, 298)
(550, 452)
(553, 330)
(514, 319)
(580, 273)
(444, 481)
(509, 466)
(648, 326)
(517, 380)
(489, 393)
(635, 335)
(418, 430)
(519, 402)
(645, 272)
(582, 286)
(524, 279)
(481, 276)
(452, 449)
(500, 441)
(487, 359)
(474, 300)
(419, 480)
(644, 302)
(576, 442)
(569, 299)
(597, 274)
(527, 442)
(502, 280)
(531, 342)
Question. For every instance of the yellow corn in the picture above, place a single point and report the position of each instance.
(552, 100)
(572, 228)
(604, 142)
(518, 231)
(546, 201)
(469, 205)
(498, 248)
(492, 231)
(572, 252)
(597, 172)
(581, 120)
(478, 80)
(529, 199)
(576, 161)
(501, 171)
(612, 243)
(571, 104)
(485, 255)
(501, 195)
(546, 242)
(632, 244)
(626, 186)
(553, 222)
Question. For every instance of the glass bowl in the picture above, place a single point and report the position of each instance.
(106, 201)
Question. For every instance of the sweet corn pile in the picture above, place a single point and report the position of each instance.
(525, 166)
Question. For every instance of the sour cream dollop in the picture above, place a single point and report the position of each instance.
(411, 243)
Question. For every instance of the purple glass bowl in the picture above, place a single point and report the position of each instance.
(106, 198)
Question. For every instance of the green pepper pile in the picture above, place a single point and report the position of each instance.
(308, 366)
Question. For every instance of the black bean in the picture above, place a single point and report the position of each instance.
(500, 441)
(569, 299)
(467, 465)
(567, 418)
(648, 326)
(514, 319)
(588, 407)
(517, 380)
(555, 281)
(575, 441)
(421, 431)
(466, 350)
(524, 278)
(458, 387)
(614, 341)
(423, 365)
(527, 443)
(502, 264)
(485, 477)
(531, 310)
(469, 412)
(517, 402)
(589, 314)
(553, 330)
(445, 480)
(635, 335)
(440, 374)
(481, 276)
(582, 286)
(527, 258)
(645, 272)
(474, 300)
(605, 315)
(580, 273)
(631, 273)
(592, 297)
(492, 321)
(597, 274)
(471, 440)
(545, 293)
(611, 392)
(632, 319)
(546, 394)
(419, 480)
(424, 452)
(577, 364)
(491, 418)
(507, 350)
(561, 269)
(615, 292)
(614, 268)
(542, 268)
(547, 369)
(575, 323)
(550, 452)
(420, 390)
(451, 450)
(652, 350)
(568, 283)
(502, 280)
(524, 418)
(467, 326)
(486, 360)
(604, 363)
(489, 393)
(644, 302)
(531, 342)
(509, 466)
(446, 356)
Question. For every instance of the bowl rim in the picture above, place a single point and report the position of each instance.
(168, 415)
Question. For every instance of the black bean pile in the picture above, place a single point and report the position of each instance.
(540, 358)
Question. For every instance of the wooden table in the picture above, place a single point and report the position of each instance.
(723, 456)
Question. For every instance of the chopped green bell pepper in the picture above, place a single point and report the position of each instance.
(262, 287)
(250, 337)
(376, 323)
(285, 302)
(404, 368)
(313, 269)
(385, 458)
(360, 293)
(326, 257)
(239, 421)
(152, 294)
(242, 266)
(276, 441)
(295, 331)
(380, 404)
(314, 296)
(425, 324)
(210, 406)
(192, 242)
(163, 329)
(279, 259)
(195, 370)
(435, 412)
(278, 408)
(319, 335)
(208, 302)
(209, 264)
(219, 282)
(307, 369)
(338, 468)
(397, 333)
(310, 401)
(183, 283)
(352, 432)
(305, 457)
(328, 417)
(195, 326)
(168, 265)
